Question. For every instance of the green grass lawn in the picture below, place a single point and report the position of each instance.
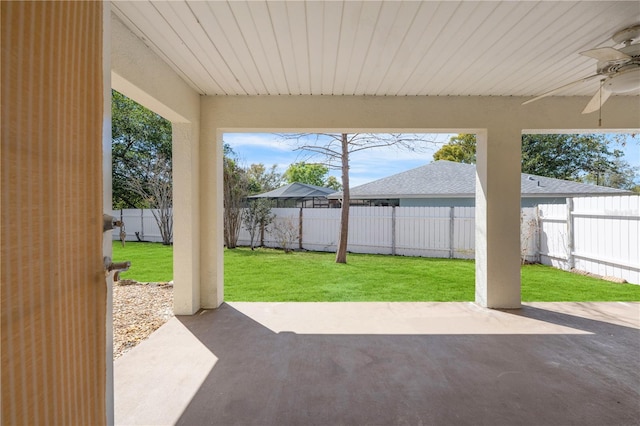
(150, 262)
(272, 276)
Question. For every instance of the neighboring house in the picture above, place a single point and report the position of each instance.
(299, 195)
(450, 184)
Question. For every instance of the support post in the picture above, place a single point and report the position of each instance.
(211, 217)
(186, 219)
(498, 180)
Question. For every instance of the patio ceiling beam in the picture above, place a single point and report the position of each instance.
(417, 113)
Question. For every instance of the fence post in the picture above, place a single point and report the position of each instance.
(142, 224)
(451, 230)
(538, 256)
(300, 230)
(393, 230)
(571, 263)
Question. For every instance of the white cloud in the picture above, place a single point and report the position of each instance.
(366, 166)
(264, 140)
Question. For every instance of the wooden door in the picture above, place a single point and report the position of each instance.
(53, 285)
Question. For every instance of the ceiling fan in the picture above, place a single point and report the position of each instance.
(618, 69)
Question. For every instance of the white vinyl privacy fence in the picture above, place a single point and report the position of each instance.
(140, 225)
(407, 231)
(600, 235)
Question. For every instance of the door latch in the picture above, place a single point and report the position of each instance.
(109, 222)
(115, 268)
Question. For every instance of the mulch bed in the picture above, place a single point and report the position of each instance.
(139, 309)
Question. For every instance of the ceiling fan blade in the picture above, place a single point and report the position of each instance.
(558, 89)
(597, 101)
(606, 54)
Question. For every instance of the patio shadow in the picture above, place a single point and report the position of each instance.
(263, 377)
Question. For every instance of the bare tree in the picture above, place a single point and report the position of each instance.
(336, 148)
(154, 186)
(286, 232)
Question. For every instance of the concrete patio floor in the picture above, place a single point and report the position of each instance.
(387, 364)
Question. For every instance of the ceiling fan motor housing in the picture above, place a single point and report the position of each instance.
(626, 80)
(623, 75)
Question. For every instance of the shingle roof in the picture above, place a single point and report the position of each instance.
(442, 179)
(296, 190)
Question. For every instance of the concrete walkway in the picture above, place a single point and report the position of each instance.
(387, 364)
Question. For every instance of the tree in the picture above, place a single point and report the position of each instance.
(569, 157)
(333, 183)
(235, 190)
(238, 183)
(262, 180)
(256, 217)
(461, 149)
(621, 176)
(309, 173)
(336, 149)
(154, 186)
(139, 137)
(586, 158)
(286, 232)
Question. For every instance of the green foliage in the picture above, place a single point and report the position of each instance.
(309, 173)
(589, 158)
(262, 180)
(461, 149)
(333, 183)
(622, 176)
(257, 216)
(270, 275)
(139, 138)
(238, 184)
(235, 190)
(569, 157)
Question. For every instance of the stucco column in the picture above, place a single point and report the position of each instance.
(186, 218)
(211, 213)
(498, 218)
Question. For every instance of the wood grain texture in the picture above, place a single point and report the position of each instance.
(53, 287)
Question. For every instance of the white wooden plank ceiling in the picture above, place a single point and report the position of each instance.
(381, 48)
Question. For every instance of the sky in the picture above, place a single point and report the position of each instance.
(366, 166)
